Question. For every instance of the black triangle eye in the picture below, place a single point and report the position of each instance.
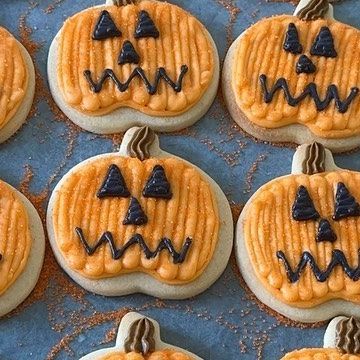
(135, 214)
(157, 185)
(305, 65)
(113, 184)
(325, 232)
(303, 208)
(292, 41)
(324, 44)
(128, 54)
(345, 204)
(105, 27)
(145, 26)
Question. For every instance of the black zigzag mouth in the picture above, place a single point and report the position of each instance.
(311, 90)
(137, 239)
(338, 258)
(138, 72)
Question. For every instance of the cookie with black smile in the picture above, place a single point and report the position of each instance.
(141, 220)
(127, 63)
(294, 78)
(297, 239)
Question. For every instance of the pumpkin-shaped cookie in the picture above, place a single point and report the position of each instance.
(295, 78)
(127, 63)
(17, 84)
(341, 342)
(22, 246)
(139, 339)
(298, 242)
(140, 220)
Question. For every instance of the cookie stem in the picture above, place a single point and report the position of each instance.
(141, 337)
(314, 161)
(139, 145)
(315, 9)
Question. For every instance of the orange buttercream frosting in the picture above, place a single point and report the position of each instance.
(165, 354)
(319, 354)
(182, 40)
(269, 227)
(15, 240)
(260, 51)
(190, 213)
(13, 77)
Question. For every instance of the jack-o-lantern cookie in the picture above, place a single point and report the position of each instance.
(296, 78)
(130, 63)
(17, 84)
(140, 220)
(298, 242)
(138, 338)
(341, 342)
(22, 246)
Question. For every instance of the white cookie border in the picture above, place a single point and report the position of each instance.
(138, 282)
(123, 332)
(318, 313)
(25, 283)
(19, 118)
(124, 118)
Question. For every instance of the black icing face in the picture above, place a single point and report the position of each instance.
(106, 28)
(303, 210)
(157, 186)
(345, 206)
(323, 46)
(114, 186)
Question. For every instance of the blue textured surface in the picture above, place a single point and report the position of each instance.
(223, 323)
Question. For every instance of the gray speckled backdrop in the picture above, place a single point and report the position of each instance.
(59, 320)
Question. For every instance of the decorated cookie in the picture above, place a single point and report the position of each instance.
(297, 239)
(140, 220)
(133, 62)
(17, 84)
(295, 78)
(341, 342)
(139, 339)
(22, 246)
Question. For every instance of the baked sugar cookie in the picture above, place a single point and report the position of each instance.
(297, 239)
(139, 339)
(129, 63)
(140, 220)
(296, 78)
(341, 342)
(22, 246)
(17, 84)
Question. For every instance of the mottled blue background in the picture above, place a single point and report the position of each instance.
(221, 324)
